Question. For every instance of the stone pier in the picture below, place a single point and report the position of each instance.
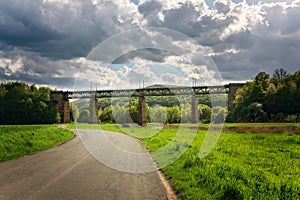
(60, 99)
(195, 112)
(93, 110)
(142, 116)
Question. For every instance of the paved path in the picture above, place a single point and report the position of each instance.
(70, 172)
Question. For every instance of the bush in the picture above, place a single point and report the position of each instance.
(186, 111)
(107, 115)
(218, 114)
(255, 113)
(158, 114)
(173, 114)
(84, 116)
(279, 117)
(204, 113)
(291, 119)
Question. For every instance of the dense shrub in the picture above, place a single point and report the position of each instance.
(26, 104)
(158, 114)
(84, 116)
(218, 114)
(204, 113)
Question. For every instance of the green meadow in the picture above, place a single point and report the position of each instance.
(242, 165)
(17, 141)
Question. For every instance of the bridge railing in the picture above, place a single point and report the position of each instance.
(170, 91)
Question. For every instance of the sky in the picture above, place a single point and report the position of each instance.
(52, 42)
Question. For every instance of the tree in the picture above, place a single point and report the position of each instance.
(262, 79)
(218, 114)
(107, 115)
(74, 112)
(255, 113)
(268, 99)
(26, 104)
(280, 73)
(173, 114)
(2, 90)
(186, 110)
(158, 114)
(204, 113)
(84, 116)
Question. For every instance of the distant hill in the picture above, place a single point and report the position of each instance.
(163, 86)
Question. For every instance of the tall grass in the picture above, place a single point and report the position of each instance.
(17, 141)
(241, 166)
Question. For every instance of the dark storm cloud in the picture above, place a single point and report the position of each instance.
(56, 30)
(42, 40)
(21, 25)
(154, 55)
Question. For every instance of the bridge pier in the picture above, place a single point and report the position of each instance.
(93, 110)
(195, 112)
(233, 87)
(60, 99)
(142, 116)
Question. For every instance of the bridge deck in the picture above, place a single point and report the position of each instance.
(167, 91)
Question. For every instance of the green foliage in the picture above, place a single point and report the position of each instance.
(266, 99)
(218, 114)
(121, 113)
(158, 114)
(26, 104)
(124, 112)
(291, 118)
(104, 103)
(255, 113)
(186, 110)
(168, 101)
(107, 115)
(204, 113)
(84, 116)
(173, 114)
(74, 112)
(16, 141)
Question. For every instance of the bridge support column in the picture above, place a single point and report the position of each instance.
(195, 112)
(232, 93)
(66, 111)
(142, 117)
(62, 103)
(93, 111)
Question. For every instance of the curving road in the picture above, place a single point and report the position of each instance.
(70, 172)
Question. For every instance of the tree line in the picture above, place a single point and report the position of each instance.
(26, 104)
(268, 99)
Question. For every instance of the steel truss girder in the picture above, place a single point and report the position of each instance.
(167, 91)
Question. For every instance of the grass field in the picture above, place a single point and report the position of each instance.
(241, 166)
(17, 141)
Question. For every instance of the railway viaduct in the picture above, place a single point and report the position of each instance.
(61, 98)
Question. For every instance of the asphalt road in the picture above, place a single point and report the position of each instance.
(71, 172)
